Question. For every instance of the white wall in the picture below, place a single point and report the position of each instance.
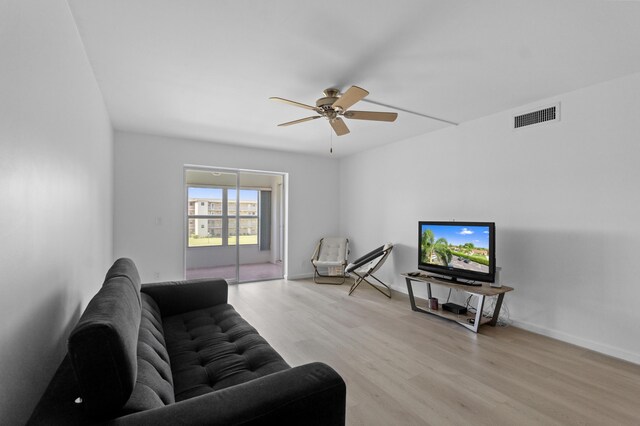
(564, 197)
(149, 185)
(56, 181)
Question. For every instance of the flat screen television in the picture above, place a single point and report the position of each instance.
(464, 250)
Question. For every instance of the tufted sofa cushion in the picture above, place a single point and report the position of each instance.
(154, 384)
(214, 348)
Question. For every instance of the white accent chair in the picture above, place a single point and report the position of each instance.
(329, 260)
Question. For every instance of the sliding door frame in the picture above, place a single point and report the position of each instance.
(283, 209)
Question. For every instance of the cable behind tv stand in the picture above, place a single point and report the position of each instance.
(467, 320)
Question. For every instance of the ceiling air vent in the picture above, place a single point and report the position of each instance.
(536, 117)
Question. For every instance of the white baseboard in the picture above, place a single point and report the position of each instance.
(578, 341)
(299, 276)
(568, 338)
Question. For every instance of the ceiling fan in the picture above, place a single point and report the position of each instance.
(334, 105)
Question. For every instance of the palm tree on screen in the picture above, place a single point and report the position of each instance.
(438, 248)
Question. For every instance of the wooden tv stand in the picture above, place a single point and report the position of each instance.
(468, 320)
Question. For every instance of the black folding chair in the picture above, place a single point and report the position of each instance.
(365, 266)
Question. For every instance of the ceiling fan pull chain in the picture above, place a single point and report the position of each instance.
(331, 142)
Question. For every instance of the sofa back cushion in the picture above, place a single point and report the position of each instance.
(154, 383)
(102, 346)
(125, 269)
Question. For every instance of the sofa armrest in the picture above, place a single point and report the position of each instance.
(176, 297)
(311, 394)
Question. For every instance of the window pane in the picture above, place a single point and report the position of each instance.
(248, 202)
(205, 232)
(231, 232)
(248, 231)
(231, 203)
(204, 201)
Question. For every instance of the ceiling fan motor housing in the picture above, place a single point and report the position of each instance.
(325, 103)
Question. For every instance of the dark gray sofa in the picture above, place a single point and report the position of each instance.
(176, 353)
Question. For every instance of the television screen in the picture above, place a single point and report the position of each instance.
(458, 249)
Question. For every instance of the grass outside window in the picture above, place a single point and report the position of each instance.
(217, 241)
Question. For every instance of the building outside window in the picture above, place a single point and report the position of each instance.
(212, 216)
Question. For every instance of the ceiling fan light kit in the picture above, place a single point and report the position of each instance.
(333, 106)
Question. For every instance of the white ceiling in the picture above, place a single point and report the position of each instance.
(205, 69)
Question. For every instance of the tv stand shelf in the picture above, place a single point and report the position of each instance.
(472, 321)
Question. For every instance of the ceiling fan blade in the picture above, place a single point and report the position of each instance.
(294, 103)
(350, 97)
(339, 127)
(371, 115)
(302, 120)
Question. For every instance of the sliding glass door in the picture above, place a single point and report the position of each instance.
(210, 238)
(258, 255)
(230, 224)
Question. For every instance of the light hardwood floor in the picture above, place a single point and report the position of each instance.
(408, 368)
